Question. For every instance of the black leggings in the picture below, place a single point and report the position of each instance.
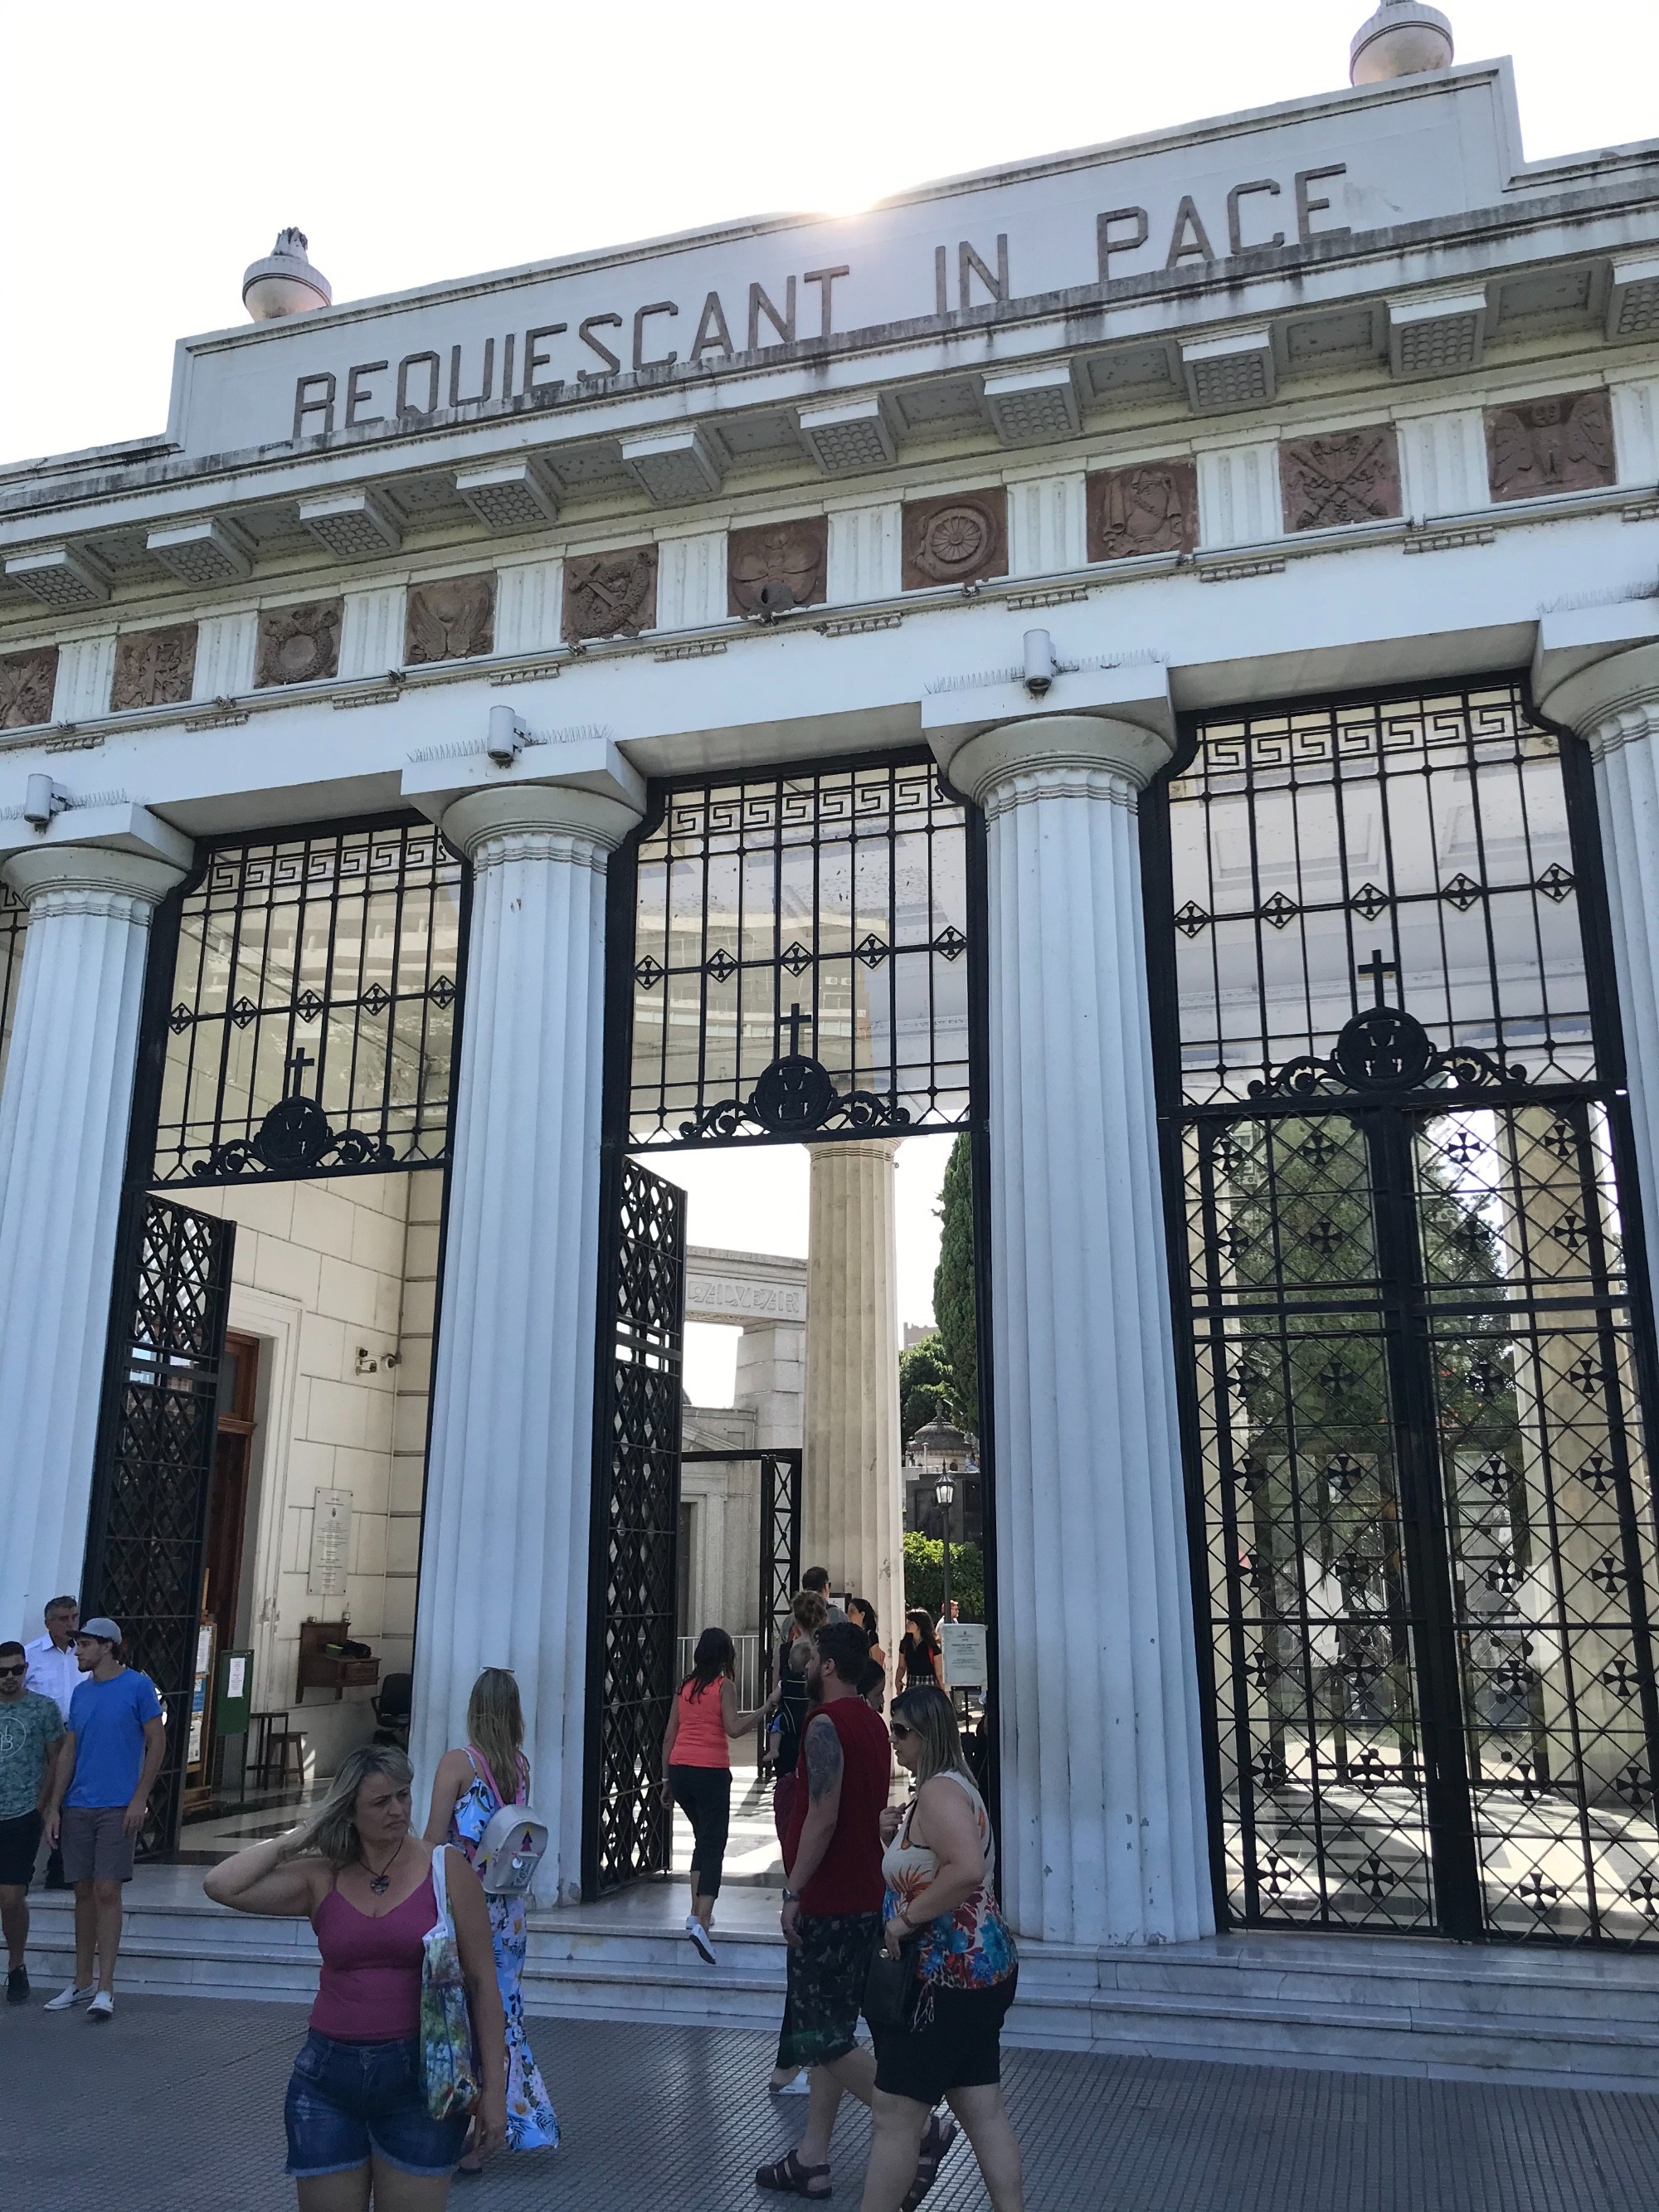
(705, 1795)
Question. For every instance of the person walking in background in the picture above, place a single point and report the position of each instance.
(696, 1759)
(939, 1869)
(918, 1659)
(101, 1781)
(55, 1673)
(787, 1702)
(817, 1578)
(862, 1614)
(470, 1788)
(356, 2111)
(832, 1907)
(30, 1729)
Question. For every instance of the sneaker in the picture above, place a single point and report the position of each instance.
(796, 2086)
(699, 1935)
(66, 2000)
(17, 1986)
(102, 2005)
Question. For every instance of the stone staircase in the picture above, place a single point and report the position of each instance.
(1550, 2017)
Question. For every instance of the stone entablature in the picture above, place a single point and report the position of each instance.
(748, 1290)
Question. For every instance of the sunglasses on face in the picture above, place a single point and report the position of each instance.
(5, 1671)
(899, 1730)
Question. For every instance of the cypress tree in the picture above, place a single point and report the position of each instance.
(953, 1289)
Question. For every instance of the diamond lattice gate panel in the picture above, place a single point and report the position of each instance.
(636, 1509)
(779, 1545)
(1414, 1405)
(156, 1459)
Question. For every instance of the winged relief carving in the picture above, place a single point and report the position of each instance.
(450, 621)
(793, 555)
(1561, 444)
(27, 681)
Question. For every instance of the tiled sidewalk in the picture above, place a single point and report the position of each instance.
(176, 2107)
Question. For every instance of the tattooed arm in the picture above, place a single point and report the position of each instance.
(824, 1773)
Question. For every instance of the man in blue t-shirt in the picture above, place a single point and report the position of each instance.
(101, 1793)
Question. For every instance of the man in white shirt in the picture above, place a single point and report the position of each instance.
(54, 1672)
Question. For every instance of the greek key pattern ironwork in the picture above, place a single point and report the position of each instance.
(313, 1008)
(833, 899)
(1427, 1526)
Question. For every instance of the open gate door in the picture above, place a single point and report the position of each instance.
(628, 1830)
(153, 1476)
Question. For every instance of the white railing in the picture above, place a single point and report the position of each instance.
(752, 1680)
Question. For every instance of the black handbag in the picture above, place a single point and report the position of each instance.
(892, 1990)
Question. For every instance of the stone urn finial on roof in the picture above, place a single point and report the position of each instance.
(1403, 38)
(284, 283)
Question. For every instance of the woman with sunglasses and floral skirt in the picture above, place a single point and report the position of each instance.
(940, 1902)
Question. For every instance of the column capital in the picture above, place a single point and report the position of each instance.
(1046, 756)
(539, 821)
(1607, 702)
(51, 878)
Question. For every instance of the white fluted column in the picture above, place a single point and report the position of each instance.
(64, 1109)
(853, 1501)
(504, 1556)
(1104, 1837)
(1613, 705)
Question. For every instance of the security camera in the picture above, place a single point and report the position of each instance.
(1040, 667)
(508, 737)
(41, 800)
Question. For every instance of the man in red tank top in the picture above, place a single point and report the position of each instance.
(832, 1906)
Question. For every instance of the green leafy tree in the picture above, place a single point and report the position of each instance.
(953, 1290)
(924, 1381)
(924, 1577)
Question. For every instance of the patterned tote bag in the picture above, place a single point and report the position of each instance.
(449, 2058)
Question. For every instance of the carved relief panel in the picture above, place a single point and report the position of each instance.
(793, 558)
(298, 645)
(1150, 508)
(1346, 476)
(1563, 444)
(957, 539)
(610, 594)
(153, 667)
(452, 620)
(27, 681)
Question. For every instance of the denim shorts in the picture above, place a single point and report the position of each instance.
(346, 2101)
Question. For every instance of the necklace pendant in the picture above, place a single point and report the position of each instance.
(379, 1884)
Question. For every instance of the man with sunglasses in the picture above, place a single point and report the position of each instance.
(31, 1734)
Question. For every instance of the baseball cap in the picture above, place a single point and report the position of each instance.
(101, 1627)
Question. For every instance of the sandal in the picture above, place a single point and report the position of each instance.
(788, 2174)
(941, 2132)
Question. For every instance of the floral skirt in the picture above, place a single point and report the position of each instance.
(531, 2123)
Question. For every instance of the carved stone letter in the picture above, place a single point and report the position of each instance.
(450, 621)
(27, 681)
(1151, 509)
(153, 668)
(610, 594)
(298, 645)
(1349, 476)
(793, 555)
(956, 540)
(1563, 444)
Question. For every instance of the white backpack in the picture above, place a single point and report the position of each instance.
(510, 1851)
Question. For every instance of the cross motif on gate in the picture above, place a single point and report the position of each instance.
(295, 1067)
(793, 1025)
(1377, 967)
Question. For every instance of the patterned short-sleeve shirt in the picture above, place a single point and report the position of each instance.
(29, 1726)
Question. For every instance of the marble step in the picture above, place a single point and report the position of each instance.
(1544, 2016)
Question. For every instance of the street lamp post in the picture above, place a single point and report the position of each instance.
(944, 1492)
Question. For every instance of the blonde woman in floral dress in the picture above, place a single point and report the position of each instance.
(466, 1793)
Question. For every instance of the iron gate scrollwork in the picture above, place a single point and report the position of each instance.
(637, 1507)
(779, 1546)
(160, 1424)
(1416, 1355)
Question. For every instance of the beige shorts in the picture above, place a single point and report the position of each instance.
(95, 1844)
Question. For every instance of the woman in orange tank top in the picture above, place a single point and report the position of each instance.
(696, 1758)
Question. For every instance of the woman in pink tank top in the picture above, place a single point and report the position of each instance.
(356, 2101)
(696, 1760)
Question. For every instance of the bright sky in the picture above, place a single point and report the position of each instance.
(153, 151)
(754, 1199)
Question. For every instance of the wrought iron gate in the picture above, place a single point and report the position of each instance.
(153, 1481)
(636, 1513)
(779, 1545)
(1420, 1482)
